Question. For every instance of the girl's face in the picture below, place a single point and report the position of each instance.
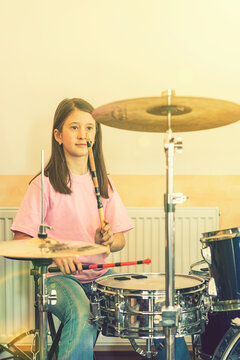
(78, 127)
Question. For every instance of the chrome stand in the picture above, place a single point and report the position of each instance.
(43, 266)
(148, 353)
(42, 299)
(170, 314)
(39, 348)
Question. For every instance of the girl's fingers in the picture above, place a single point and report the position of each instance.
(107, 236)
(78, 264)
(69, 265)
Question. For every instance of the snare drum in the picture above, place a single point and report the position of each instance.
(221, 249)
(130, 305)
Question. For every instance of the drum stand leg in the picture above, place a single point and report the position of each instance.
(193, 348)
(42, 300)
(169, 312)
(14, 350)
(42, 317)
(39, 345)
(145, 354)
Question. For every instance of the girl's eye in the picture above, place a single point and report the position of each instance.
(89, 128)
(74, 127)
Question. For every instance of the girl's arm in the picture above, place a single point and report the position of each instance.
(21, 236)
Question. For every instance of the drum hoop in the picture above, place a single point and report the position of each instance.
(230, 345)
(226, 305)
(147, 293)
(218, 238)
(197, 263)
(205, 274)
(210, 234)
(201, 262)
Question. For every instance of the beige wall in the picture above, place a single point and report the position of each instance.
(111, 50)
(222, 191)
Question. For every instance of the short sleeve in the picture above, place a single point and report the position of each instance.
(116, 213)
(28, 218)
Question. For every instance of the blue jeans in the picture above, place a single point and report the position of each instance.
(181, 350)
(72, 309)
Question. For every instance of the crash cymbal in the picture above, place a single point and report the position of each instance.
(36, 248)
(150, 114)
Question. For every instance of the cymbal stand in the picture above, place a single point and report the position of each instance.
(39, 343)
(170, 313)
(43, 264)
(40, 270)
(41, 295)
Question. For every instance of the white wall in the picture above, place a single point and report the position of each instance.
(108, 50)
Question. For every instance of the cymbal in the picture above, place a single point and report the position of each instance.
(36, 248)
(150, 114)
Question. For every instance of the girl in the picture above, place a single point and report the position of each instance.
(70, 208)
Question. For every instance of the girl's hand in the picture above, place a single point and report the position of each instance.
(69, 265)
(103, 235)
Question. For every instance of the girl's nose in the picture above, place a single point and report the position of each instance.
(82, 133)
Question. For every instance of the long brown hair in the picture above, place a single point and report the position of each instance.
(57, 169)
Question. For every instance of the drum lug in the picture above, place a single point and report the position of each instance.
(94, 307)
(119, 312)
(204, 309)
(211, 304)
(95, 311)
(212, 289)
(236, 322)
(178, 297)
(206, 254)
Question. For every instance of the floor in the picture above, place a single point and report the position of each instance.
(103, 355)
(118, 355)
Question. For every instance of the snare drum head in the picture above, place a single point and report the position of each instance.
(148, 282)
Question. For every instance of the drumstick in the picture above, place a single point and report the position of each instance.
(97, 190)
(108, 265)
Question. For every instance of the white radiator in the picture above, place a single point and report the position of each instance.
(146, 240)
(16, 287)
(148, 237)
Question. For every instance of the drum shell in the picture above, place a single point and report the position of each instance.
(138, 313)
(218, 324)
(225, 269)
(229, 346)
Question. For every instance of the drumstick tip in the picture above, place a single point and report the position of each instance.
(147, 261)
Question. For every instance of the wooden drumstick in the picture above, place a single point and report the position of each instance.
(97, 189)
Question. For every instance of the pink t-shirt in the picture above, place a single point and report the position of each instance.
(73, 217)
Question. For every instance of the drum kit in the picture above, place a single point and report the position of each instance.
(150, 305)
